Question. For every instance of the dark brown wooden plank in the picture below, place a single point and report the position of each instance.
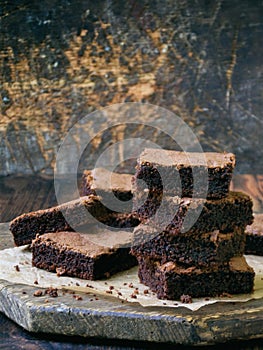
(21, 194)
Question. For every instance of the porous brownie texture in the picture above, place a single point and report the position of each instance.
(77, 255)
(171, 281)
(182, 174)
(254, 236)
(223, 214)
(207, 249)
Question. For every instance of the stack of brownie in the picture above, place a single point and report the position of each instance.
(205, 258)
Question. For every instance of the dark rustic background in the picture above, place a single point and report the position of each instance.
(62, 59)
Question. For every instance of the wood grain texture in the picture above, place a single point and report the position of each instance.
(201, 60)
(67, 316)
(21, 194)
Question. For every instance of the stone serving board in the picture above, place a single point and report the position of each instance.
(100, 316)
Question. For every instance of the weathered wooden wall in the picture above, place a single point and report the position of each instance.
(63, 59)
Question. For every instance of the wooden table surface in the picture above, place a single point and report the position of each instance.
(22, 194)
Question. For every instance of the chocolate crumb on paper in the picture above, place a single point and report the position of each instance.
(38, 293)
(186, 299)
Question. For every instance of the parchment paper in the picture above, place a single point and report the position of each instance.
(124, 285)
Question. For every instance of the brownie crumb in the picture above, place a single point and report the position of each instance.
(46, 301)
(77, 284)
(111, 287)
(109, 291)
(60, 271)
(119, 293)
(38, 293)
(225, 295)
(134, 296)
(89, 286)
(17, 268)
(53, 292)
(146, 291)
(130, 285)
(24, 292)
(77, 297)
(35, 282)
(186, 299)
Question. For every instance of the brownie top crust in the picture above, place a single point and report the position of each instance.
(101, 178)
(183, 159)
(92, 245)
(257, 226)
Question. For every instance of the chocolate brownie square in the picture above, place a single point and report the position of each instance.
(171, 281)
(87, 256)
(197, 215)
(206, 249)
(26, 226)
(183, 173)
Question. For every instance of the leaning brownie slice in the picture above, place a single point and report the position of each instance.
(174, 213)
(81, 255)
(26, 226)
(171, 281)
(182, 174)
(254, 236)
(204, 250)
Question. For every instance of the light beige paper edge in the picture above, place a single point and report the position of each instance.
(124, 285)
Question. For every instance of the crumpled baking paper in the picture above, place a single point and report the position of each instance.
(124, 285)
